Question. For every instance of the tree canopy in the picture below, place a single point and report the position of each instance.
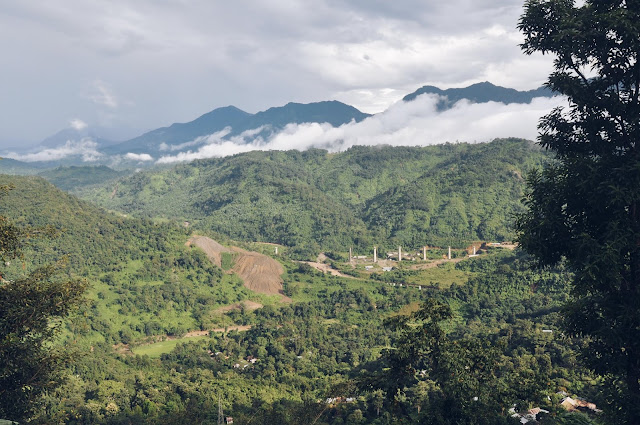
(585, 205)
(32, 305)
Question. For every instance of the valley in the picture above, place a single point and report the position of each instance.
(251, 280)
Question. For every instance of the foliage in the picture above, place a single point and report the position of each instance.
(455, 380)
(315, 201)
(585, 206)
(32, 307)
(147, 285)
(74, 177)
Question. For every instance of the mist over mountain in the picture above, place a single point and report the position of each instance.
(479, 93)
(181, 136)
(427, 116)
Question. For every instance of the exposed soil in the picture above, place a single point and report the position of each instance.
(326, 268)
(436, 263)
(210, 247)
(259, 272)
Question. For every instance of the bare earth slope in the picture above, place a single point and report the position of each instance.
(210, 247)
(259, 272)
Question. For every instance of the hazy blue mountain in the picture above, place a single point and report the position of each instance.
(178, 133)
(332, 112)
(273, 119)
(71, 134)
(480, 93)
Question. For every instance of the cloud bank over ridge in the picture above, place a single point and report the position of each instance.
(415, 123)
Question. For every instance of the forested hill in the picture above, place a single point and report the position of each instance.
(315, 200)
(89, 237)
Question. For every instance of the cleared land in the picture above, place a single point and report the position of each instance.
(259, 272)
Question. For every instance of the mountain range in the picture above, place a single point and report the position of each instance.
(232, 124)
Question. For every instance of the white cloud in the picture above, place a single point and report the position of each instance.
(195, 142)
(86, 148)
(103, 95)
(77, 124)
(141, 157)
(414, 123)
(253, 54)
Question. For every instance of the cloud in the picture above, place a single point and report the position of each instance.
(253, 54)
(197, 141)
(141, 157)
(414, 123)
(102, 95)
(77, 124)
(86, 148)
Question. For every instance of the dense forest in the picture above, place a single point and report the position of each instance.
(166, 336)
(314, 200)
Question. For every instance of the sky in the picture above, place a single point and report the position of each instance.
(129, 66)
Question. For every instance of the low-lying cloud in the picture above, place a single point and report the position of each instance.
(85, 148)
(140, 157)
(416, 123)
(77, 124)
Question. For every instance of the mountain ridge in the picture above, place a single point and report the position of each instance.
(479, 93)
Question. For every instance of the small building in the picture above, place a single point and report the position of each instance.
(228, 420)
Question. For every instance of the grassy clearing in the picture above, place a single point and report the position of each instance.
(158, 348)
(442, 276)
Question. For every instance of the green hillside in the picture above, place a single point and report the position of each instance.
(281, 363)
(143, 279)
(315, 200)
(74, 177)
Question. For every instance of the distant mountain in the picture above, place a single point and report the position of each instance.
(238, 121)
(178, 133)
(74, 135)
(332, 112)
(480, 93)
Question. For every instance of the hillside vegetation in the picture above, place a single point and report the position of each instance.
(315, 200)
(144, 354)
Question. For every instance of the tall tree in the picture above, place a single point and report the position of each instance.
(32, 306)
(457, 380)
(585, 206)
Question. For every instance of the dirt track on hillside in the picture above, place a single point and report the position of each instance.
(259, 272)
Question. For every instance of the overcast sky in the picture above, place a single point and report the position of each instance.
(143, 64)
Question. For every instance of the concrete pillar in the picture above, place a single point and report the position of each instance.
(276, 250)
(424, 253)
(399, 253)
(474, 250)
(449, 256)
(375, 254)
(350, 254)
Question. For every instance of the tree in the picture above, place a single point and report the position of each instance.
(459, 380)
(584, 207)
(32, 307)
